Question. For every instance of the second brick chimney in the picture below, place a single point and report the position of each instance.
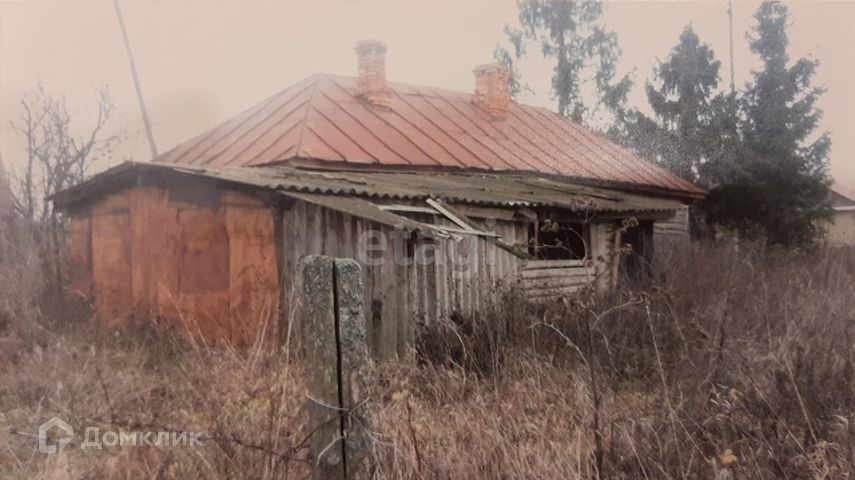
(371, 78)
(492, 89)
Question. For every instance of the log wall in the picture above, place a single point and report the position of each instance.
(671, 237)
(544, 279)
(673, 229)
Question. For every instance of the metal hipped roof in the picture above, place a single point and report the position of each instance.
(488, 189)
(320, 119)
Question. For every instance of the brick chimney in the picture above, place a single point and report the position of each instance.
(492, 89)
(371, 83)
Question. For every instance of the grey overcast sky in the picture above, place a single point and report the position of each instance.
(203, 61)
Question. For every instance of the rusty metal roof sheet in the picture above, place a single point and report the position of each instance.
(488, 189)
(320, 119)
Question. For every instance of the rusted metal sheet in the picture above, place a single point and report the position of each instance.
(145, 204)
(319, 118)
(80, 254)
(203, 263)
(253, 284)
(111, 266)
(203, 270)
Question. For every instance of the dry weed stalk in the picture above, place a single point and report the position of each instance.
(736, 364)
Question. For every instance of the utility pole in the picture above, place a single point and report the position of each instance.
(135, 76)
(730, 25)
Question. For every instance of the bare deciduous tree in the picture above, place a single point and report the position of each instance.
(58, 155)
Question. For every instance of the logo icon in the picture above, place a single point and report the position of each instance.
(58, 440)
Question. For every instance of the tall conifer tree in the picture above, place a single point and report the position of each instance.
(778, 186)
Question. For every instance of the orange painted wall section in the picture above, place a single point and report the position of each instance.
(206, 269)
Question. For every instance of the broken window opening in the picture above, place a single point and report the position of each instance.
(552, 240)
(636, 252)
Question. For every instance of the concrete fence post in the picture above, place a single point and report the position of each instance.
(339, 367)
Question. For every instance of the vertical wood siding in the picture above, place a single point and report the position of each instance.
(403, 286)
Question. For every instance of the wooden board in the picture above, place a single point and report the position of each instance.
(558, 272)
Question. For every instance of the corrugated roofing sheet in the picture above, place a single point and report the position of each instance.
(320, 119)
(472, 188)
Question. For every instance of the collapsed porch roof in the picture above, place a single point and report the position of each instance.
(486, 189)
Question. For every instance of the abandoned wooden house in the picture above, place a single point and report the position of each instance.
(445, 198)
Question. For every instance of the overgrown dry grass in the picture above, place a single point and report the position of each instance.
(737, 364)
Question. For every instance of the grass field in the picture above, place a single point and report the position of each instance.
(737, 363)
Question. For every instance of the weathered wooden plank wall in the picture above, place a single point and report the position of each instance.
(404, 284)
(547, 279)
(676, 226)
(543, 280)
(670, 237)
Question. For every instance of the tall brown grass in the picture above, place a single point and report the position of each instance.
(735, 363)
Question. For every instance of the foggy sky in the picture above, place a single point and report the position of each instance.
(203, 61)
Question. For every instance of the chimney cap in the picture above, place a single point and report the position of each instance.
(493, 67)
(371, 83)
(370, 44)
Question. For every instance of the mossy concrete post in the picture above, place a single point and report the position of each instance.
(355, 369)
(339, 367)
(319, 341)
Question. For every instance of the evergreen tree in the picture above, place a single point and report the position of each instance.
(681, 102)
(778, 186)
(571, 33)
(693, 130)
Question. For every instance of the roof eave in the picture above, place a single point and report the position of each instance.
(309, 163)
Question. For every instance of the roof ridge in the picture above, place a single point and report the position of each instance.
(391, 125)
(377, 137)
(305, 121)
(320, 119)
